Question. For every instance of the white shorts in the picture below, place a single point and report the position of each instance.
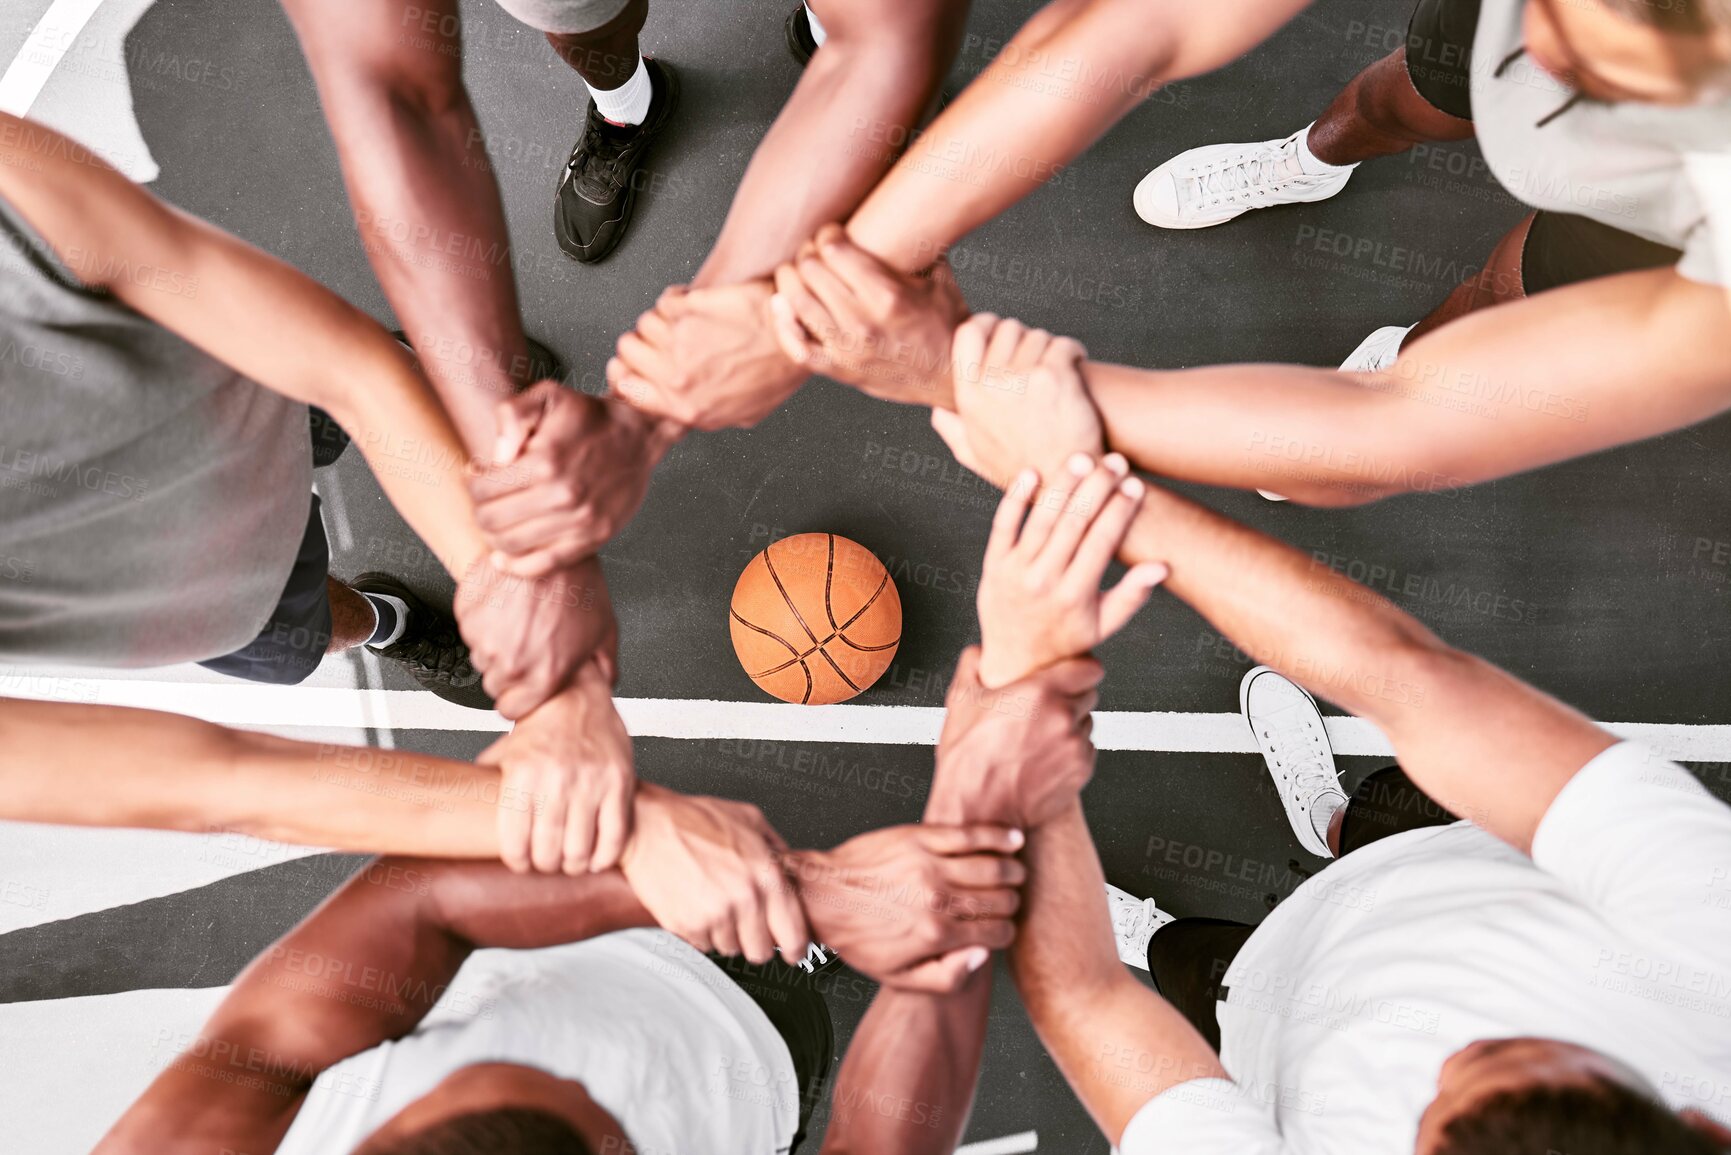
(564, 16)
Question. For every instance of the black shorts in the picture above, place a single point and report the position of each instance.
(293, 642)
(1561, 248)
(793, 1002)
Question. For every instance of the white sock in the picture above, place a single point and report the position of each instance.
(629, 103)
(1322, 813)
(1307, 160)
(402, 610)
(817, 32)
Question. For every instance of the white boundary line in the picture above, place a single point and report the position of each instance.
(1017, 1144)
(48, 42)
(247, 704)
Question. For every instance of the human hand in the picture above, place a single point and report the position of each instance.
(566, 781)
(710, 871)
(529, 636)
(915, 907)
(568, 472)
(1039, 598)
(1019, 400)
(839, 311)
(705, 358)
(1017, 755)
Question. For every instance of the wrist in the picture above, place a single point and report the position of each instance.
(999, 666)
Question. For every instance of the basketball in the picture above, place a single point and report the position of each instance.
(815, 619)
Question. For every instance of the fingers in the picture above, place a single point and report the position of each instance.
(869, 279)
(831, 290)
(581, 817)
(1001, 349)
(516, 419)
(1052, 503)
(550, 807)
(985, 872)
(1073, 676)
(1091, 502)
(1030, 349)
(809, 315)
(976, 838)
(954, 432)
(1007, 521)
(1099, 545)
(1064, 353)
(1121, 602)
(789, 332)
(752, 926)
(724, 936)
(787, 921)
(968, 348)
(986, 904)
(944, 974)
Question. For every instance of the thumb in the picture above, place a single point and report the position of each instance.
(789, 333)
(975, 838)
(968, 346)
(516, 418)
(942, 975)
(955, 434)
(1120, 603)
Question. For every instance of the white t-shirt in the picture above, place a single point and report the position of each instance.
(1620, 164)
(657, 1034)
(1342, 1007)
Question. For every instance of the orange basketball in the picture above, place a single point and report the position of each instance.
(815, 619)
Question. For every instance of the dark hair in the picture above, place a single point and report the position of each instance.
(510, 1131)
(1690, 17)
(1601, 1118)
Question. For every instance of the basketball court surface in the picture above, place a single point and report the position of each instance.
(1602, 580)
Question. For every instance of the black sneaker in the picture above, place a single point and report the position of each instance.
(599, 185)
(800, 42)
(430, 646)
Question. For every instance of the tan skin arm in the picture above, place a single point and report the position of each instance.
(213, 289)
(1499, 391)
(1478, 740)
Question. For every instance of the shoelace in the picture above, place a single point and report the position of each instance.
(596, 162)
(1300, 753)
(1239, 175)
(435, 654)
(1130, 919)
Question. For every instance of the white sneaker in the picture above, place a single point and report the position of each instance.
(1212, 184)
(1377, 351)
(1289, 732)
(1134, 921)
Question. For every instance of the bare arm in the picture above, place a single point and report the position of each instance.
(407, 923)
(109, 766)
(856, 105)
(1478, 740)
(253, 312)
(390, 77)
(1118, 1043)
(1071, 73)
(1496, 392)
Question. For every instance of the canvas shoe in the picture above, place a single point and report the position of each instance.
(1134, 921)
(1213, 184)
(1289, 732)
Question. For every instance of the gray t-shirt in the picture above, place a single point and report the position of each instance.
(1622, 164)
(152, 500)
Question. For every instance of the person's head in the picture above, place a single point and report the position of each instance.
(1527, 1096)
(500, 1109)
(1653, 51)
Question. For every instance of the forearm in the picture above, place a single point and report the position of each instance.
(1494, 393)
(108, 766)
(855, 107)
(1117, 1043)
(426, 204)
(1478, 740)
(907, 1084)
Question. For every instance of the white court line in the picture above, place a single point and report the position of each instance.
(1009, 1145)
(248, 704)
(48, 42)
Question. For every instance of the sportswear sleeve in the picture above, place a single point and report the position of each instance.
(1643, 843)
(1202, 1117)
(1707, 251)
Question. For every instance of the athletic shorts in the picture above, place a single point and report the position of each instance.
(794, 1003)
(293, 642)
(1561, 248)
(565, 16)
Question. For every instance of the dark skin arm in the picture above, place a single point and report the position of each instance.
(417, 171)
(408, 924)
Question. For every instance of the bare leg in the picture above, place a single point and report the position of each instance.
(1380, 113)
(1497, 283)
(352, 617)
(604, 57)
